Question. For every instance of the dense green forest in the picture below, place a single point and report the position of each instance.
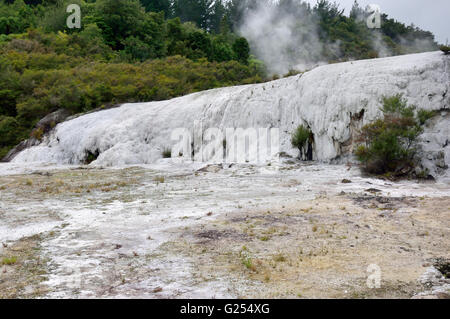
(131, 50)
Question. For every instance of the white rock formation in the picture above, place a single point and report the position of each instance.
(332, 100)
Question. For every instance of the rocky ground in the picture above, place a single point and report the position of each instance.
(165, 231)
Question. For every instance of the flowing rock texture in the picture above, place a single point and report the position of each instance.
(333, 101)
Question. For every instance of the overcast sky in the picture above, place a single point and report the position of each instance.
(430, 15)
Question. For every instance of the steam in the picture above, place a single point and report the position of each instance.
(285, 38)
(377, 42)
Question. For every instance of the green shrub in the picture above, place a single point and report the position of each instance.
(445, 49)
(388, 144)
(291, 73)
(424, 116)
(300, 138)
(38, 133)
(91, 156)
(166, 152)
(9, 128)
(242, 50)
(35, 84)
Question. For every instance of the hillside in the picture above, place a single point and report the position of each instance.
(320, 99)
(131, 51)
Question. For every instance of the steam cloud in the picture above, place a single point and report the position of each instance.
(284, 39)
(287, 37)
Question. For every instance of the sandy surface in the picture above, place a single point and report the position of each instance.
(166, 231)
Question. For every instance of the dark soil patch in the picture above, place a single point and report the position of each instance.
(385, 203)
(443, 265)
(214, 235)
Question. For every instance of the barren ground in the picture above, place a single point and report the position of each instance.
(289, 231)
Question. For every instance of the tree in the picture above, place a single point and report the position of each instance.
(356, 13)
(7, 127)
(119, 19)
(221, 51)
(197, 11)
(199, 44)
(242, 50)
(216, 17)
(137, 49)
(158, 6)
(152, 32)
(388, 144)
(224, 27)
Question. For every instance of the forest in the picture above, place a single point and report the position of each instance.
(132, 51)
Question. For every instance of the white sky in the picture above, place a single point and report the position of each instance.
(430, 15)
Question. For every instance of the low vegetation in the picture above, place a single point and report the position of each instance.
(121, 54)
(301, 139)
(388, 145)
(132, 51)
(166, 152)
(159, 179)
(445, 49)
(424, 115)
(9, 261)
(23, 268)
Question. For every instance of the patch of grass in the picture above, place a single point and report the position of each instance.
(271, 231)
(279, 258)
(59, 182)
(160, 179)
(248, 263)
(9, 260)
(246, 260)
(23, 279)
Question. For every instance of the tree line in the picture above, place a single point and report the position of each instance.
(131, 50)
(122, 53)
